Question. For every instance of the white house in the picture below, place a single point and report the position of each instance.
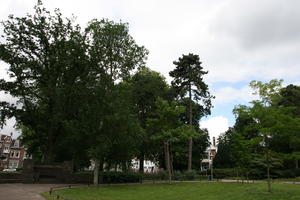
(210, 154)
(149, 166)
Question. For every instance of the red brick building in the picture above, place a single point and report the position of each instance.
(12, 153)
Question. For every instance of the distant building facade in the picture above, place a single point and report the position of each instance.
(12, 153)
(210, 154)
(149, 166)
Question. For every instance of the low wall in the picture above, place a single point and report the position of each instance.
(11, 177)
(47, 173)
(62, 173)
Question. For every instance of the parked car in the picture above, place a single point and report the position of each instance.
(10, 170)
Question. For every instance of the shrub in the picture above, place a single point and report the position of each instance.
(224, 173)
(120, 177)
(177, 176)
(287, 173)
(190, 175)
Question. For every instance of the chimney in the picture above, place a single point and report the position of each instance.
(214, 141)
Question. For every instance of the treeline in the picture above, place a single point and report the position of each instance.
(265, 140)
(86, 94)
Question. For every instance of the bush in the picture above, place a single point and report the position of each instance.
(257, 173)
(107, 177)
(120, 177)
(190, 175)
(224, 173)
(177, 176)
(287, 173)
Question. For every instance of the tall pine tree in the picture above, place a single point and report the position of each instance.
(188, 81)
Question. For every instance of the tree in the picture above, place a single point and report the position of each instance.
(167, 127)
(268, 92)
(69, 84)
(286, 102)
(272, 124)
(290, 97)
(225, 156)
(188, 80)
(268, 161)
(113, 55)
(146, 87)
(48, 67)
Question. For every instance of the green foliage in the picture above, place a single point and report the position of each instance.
(188, 78)
(225, 158)
(268, 92)
(120, 177)
(224, 173)
(109, 177)
(190, 175)
(145, 87)
(188, 81)
(287, 173)
(47, 78)
(65, 81)
(157, 176)
(265, 137)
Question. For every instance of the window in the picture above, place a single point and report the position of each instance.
(16, 144)
(12, 154)
(13, 164)
(17, 154)
(5, 159)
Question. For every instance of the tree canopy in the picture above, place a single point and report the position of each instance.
(84, 93)
(188, 81)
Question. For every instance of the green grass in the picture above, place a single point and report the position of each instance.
(186, 191)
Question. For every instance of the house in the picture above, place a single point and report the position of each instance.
(210, 154)
(12, 153)
(149, 166)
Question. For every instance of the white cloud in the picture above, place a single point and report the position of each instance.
(9, 128)
(257, 24)
(237, 41)
(228, 94)
(215, 125)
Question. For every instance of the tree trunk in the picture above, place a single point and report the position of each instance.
(296, 163)
(141, 167)
(171, 160)
(191, 124)
(96, 172)
(49, 154)
(167, 160)
(101, 168)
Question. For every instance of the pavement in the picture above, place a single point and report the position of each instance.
(19, 191)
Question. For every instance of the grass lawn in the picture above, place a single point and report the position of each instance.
(186, 191)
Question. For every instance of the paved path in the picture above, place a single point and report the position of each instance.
(19, 191)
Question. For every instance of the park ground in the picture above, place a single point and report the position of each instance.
(19, 191)
(186, 191)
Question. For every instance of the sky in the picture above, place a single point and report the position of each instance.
(237, 40)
